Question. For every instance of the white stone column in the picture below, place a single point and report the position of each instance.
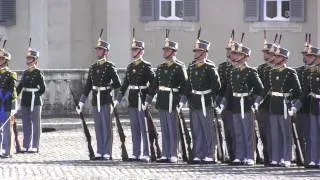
(118, 29)
(38, 30)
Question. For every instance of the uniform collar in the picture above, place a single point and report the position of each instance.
(137, 61)
(171, 61)
(4, 69)
(102, 60)
(31, 68)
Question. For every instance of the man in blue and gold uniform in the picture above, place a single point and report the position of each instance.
(8, 97)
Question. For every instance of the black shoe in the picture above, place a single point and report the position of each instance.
(5, 156)
(163, 161)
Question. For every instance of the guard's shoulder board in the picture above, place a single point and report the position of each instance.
(209, 62)
(180, 62)
(13, 75)
(146, 62)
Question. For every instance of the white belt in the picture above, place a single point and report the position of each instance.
(317, 96)
(139, 93)
(99, 89)
(203, 102)
(241, 95)
(285, 107)
(280, 94)
(163, 88)
(33, 91)
(137, 87)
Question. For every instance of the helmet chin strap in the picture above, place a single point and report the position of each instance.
(170, 55)
(197, 58)
(137, 54)
(1, 65)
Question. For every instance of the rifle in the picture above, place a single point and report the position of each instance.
(153, 137)
(259, 144)
(182, 138)
(16, 137)
(222, 138)
(220, 155)
(124, 153)
(85, 128)
(187, 135)
(296, 140)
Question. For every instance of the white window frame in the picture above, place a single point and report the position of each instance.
(173, 16)
(279, 7)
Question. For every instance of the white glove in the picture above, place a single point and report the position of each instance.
(145, 106)
(115, 103)
(13, 112)
(292, 111)
(180, 106)
(219, 108)
(256, 106)
(79, 108)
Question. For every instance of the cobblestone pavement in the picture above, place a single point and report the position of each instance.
(63, 155)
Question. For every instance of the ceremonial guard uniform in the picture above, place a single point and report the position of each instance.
(138, 76)
(102, 79)
(32, 87)
(224, 70)
(303, 115)
(263, 112)
(311, 94)
(169, 84)
(7, 103)
(284, 89)
(203, 87)
(244, 91)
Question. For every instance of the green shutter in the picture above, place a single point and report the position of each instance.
(191, 10)
(7, 12)
(297, 8)
(251, 10)
(147, 10)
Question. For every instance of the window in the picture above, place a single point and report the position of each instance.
(169, 10)
(274, 10)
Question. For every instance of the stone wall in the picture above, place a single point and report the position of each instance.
(57, 99)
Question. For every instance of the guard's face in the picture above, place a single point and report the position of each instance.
(2, 60)
(135, 52)
(199, 54)
(309, 59)
(238, 57)
(167, 53)
(267, 56)
(101, 52)
(30, 61)
(279, 60)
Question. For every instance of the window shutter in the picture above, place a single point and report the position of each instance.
(251, 10)
(297, 8)
(147, 10)
(191, 10)
(7, 12)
